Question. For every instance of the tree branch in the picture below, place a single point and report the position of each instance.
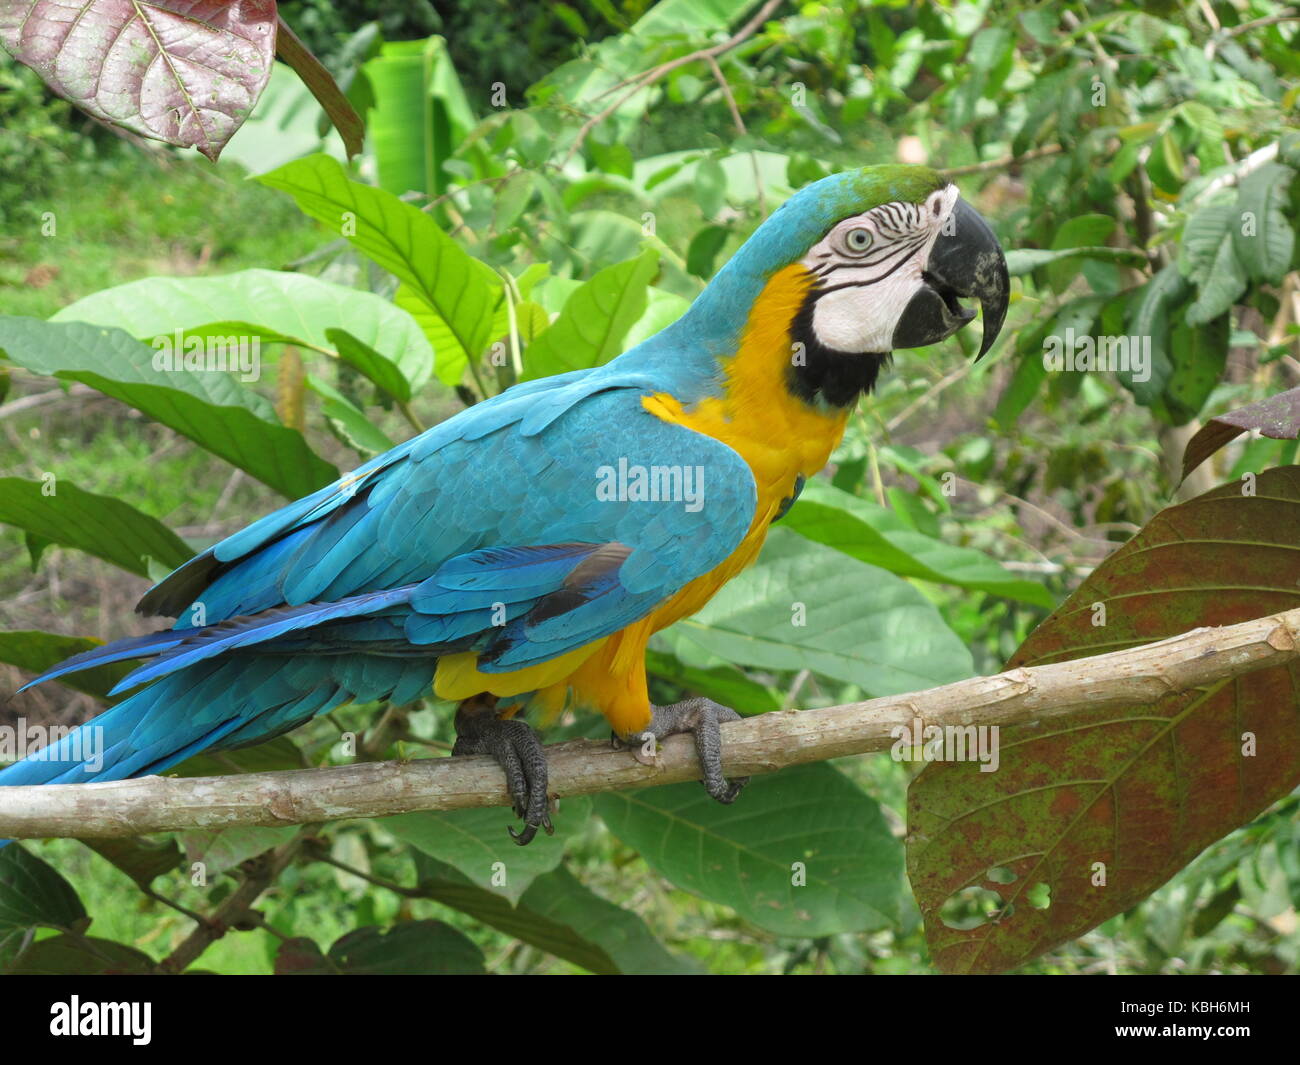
(757, 745)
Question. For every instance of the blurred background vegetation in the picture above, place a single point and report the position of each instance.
(1095, 135)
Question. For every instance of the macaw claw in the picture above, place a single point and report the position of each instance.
(702, 717)
(518, 751)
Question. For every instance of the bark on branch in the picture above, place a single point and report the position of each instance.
(756, 745)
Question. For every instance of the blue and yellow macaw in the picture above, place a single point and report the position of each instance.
(521, 553)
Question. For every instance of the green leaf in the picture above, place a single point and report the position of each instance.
(220, 849)
(1021, 261)
(476, 843)
(1085, 231)
(33, 895)
(140, 858)
(1262, 198)
(1150, 318)
(1026, 380)
(718, 680)
(420, 113)
(412, 948)
(560, 915)
(1208, 256)
(212, 409)
(1200, 354)
(710, 186)
(450, 284)
(805, 606)
(511, 198)
(348, 420)
(35, 652)
(703, 252)
(375, 367)
(75, 955)
(595, 319)
(875, 534)
(101, 526)
(806, 853)
(274, 305)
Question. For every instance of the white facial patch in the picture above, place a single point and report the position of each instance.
(869, 267)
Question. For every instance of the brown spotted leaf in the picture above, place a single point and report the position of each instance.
(187, 72)
(1086, 816)
(1277, 417)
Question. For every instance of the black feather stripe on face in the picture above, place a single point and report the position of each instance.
(823, 375)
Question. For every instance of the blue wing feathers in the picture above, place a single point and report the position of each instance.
(354, 591)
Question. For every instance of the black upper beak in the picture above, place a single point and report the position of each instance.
(966, 261)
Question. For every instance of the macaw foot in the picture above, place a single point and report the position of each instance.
(702, 717)
(518, 751)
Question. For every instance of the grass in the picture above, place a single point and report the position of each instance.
(137, 214)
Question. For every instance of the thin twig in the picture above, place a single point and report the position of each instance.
(1006, 162)
(727, 95)
(646, 78)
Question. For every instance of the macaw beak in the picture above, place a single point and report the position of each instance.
(966, 261)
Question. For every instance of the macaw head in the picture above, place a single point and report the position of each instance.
(862, 263)
(891, 268)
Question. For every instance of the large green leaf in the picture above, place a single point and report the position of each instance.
(35, 652)
(274, 305)
(875, 534)
(476, 843)
(211, 408)
(804, 852)
(806, 606)
(101, 526)
(595, 319)
(560, 915)
(434, 270)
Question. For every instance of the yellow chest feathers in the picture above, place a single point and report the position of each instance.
(779, 436)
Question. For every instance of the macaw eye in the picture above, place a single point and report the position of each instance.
(858, 240)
